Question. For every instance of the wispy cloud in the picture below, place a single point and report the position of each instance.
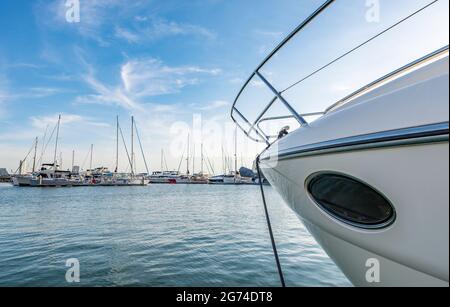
(60, 77)
(237, 81)
(257, 83)
(151, 77)
(98, 15)
(25, 65)
(129, 36)
(37, 125)
(41, 122)
(106, 95)
(273, 34)
(31, 93)
(163, 28)
(142, 78)
(95, 16)
(213, 105)
(16, 135)
(41, 92)
(154, 30)
(5, 96)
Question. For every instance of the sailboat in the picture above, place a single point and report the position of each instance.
(201, 177)
(368, 174)
(125, 179)
(49, 174)
(163, 176)
(22, 178)
(231, 177)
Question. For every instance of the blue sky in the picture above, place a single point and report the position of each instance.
(170, 63)
(161, 61)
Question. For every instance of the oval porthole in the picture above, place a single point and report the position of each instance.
(351, 201)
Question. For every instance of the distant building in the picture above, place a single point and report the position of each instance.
(4, 175)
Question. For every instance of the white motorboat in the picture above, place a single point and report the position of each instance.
(199, 179)
(22, 180)
(50, 176)
(120, 179)
(167, 177)
(222, 179)
(232, 178)
(367, 171)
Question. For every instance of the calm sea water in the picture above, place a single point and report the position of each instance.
(161, 235)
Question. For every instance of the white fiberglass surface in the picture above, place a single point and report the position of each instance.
(382, 37)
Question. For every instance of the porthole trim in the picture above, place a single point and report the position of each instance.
(382, 225)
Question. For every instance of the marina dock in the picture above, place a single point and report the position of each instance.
(52, 174)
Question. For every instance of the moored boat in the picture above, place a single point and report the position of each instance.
(368, 173)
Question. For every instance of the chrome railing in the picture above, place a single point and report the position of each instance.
(278, 94)
(253, 129)
(276, 118)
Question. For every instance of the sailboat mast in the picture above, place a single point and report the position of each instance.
(117, 145)
(165, 163)
(142, 149)
(20, 167)
(223, 162)
(56, 143)
(43, 146)
(188, 154)
(193, 161)
(202, 158)
(162, 160)
(92, 152)
(73, 159)
(235, 152)
(35, 153)
(132, 145)
(181, 161)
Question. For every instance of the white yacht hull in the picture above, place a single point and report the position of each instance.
(50, 182)
(411, 252)
(162, 180)
(124, 183)
(394, 139)
(231, 180)
(22, 181)
(183, 180)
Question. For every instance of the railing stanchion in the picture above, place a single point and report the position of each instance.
(300, 119)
